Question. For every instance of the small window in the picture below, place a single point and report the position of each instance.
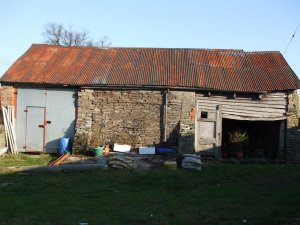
(204, 115)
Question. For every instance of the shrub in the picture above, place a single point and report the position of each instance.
(238, 139)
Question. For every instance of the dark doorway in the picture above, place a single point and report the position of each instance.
(263, 136)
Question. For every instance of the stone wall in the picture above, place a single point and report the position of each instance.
(292, 145)
(127, 117)
(181, 123)
(83, 129)
(135, 117)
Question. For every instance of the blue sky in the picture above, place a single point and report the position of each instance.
(257, 25)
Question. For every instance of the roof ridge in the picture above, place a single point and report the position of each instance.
(262, 52)
(154, 48)
(162, 48)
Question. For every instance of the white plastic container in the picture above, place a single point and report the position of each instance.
(121, 148)
(145, 150)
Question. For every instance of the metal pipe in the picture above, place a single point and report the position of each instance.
(166, 114)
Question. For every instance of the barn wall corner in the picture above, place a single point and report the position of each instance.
(8, 96)
(186, 136)
(83, 130)
(292, 148)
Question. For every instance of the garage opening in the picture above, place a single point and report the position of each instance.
(264, 137)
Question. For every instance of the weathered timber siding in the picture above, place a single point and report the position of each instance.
(292, 150)
(270, 106)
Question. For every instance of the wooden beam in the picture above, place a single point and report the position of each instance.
(60, 159)
(280, 154)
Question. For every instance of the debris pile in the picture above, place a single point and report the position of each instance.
(121, 162)
(191, 161)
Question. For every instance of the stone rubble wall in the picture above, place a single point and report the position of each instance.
(129, 117)
(125, 117)
(181, 123)
(135, 117)
(83, 129)
(292, 145)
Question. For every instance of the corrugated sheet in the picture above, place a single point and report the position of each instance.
(227, 70)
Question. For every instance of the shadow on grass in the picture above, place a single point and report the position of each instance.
(220, 194)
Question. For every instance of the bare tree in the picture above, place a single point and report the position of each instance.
(57, 34)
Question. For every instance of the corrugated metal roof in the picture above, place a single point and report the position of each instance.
(211, 69)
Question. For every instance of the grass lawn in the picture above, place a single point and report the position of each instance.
(26, 160)
(220, 194)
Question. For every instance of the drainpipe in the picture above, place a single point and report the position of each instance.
(166, 114)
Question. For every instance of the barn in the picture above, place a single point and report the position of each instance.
(190, 99)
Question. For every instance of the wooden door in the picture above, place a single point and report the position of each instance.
(208, 131)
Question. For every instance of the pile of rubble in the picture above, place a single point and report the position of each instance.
(121, 162)
(191, 161)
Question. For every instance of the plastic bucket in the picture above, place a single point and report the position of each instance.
(98, 151)
(64, 145)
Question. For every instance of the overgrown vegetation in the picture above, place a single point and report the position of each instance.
(220, 194)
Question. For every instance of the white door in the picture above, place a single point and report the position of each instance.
(208, 130)
(35, 129)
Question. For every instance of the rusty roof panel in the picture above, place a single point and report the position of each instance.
(211, 69)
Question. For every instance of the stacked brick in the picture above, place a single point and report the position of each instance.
(8, 97)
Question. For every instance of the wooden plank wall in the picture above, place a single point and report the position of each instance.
(270, 106)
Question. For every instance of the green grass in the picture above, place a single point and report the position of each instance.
(25, 160)
(220, 194)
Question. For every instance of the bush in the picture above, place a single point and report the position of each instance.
(238, 139)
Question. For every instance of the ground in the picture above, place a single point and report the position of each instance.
(25, 160)
(219, 194)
